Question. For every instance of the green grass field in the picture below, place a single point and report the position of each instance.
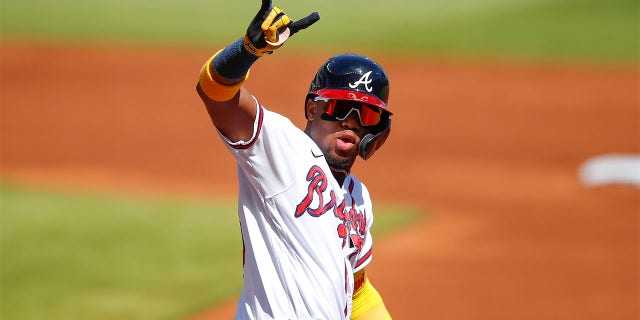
(590, 30)
(69, 255)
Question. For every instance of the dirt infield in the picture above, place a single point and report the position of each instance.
(490, 152)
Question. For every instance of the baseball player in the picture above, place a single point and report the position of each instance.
(304, 218)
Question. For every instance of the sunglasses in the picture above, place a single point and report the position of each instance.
(339, 110)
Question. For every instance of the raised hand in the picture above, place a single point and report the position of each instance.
(271, 27)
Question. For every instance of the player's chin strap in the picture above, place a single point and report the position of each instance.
(374, 140)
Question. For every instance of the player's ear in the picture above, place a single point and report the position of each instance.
(310, 109)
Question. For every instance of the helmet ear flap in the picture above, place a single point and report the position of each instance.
(371, 142)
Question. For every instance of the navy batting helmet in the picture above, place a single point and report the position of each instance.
(352, 77)
(358, 78)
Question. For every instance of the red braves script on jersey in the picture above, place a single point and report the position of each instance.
(303, 238)
(352, 219)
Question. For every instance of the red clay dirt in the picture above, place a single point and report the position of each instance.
(489, 151)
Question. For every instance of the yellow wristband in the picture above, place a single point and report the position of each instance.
(214, 89)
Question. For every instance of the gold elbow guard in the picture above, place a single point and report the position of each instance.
(214, 89)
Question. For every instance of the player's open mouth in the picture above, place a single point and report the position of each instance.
(346, 142)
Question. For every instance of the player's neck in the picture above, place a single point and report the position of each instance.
(339, 174)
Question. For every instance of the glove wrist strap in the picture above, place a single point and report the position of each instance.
(251, 48)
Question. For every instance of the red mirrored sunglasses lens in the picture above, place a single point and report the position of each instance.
(370, 115)
(340, 109)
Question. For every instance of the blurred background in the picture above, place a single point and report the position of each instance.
(118, 199)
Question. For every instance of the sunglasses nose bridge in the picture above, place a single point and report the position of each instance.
(358, 116)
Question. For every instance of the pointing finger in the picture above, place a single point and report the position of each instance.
(304, 22)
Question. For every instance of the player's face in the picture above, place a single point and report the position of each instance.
(338, 139)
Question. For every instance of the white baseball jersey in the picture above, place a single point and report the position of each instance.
(301, 232)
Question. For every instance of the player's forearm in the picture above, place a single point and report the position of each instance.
(223, 74)
(231, 109)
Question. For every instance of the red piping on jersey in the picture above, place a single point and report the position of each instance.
(252, 141)
(364, 258)
(346, 288)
